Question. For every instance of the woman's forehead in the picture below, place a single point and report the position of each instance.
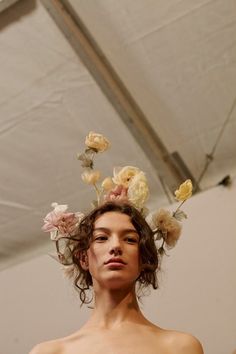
(113, 219)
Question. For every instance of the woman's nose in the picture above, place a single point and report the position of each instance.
(116, 251)
(115, 247)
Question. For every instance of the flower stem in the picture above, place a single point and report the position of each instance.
(97, 193)
(174, 213)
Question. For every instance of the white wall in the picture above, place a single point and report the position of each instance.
(197, 292)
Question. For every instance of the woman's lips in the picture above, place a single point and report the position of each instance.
(115, 262)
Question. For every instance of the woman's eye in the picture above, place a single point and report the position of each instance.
(101, 238)
(131, 240)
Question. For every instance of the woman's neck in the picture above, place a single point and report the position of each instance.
(115, 307)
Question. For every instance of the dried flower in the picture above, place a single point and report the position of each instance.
(86, 160)
(170, 228)
(185, 190)
(138, 191)
(107, 184)
(69, 271)
(97, 142)
(90, 176)
(123, 176)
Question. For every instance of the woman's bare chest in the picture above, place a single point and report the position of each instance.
(126, 342)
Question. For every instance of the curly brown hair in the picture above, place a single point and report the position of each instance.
(148, 251)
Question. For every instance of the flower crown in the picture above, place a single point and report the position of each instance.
(128, 184)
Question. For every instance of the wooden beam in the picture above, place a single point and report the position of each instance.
(165, 164)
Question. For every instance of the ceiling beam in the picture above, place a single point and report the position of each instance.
(166, 165)
(4, 4)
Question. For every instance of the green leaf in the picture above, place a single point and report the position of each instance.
(179, 215)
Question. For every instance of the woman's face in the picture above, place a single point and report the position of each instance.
(113, 256)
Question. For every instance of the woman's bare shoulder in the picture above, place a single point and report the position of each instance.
(183, 343)
(57, 346)
(50, 347)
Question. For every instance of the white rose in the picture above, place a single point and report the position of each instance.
(96, 141)
(138, 191)
(90, 177)
(124, 175)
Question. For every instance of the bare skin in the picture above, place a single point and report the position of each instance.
(117, 325)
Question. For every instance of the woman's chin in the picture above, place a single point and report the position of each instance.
(117, 281)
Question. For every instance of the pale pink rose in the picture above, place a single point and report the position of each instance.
(60, 223)
(67, 223)
(51, 219)
(64, 223)
(119, 193)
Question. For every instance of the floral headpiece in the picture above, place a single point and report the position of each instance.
(128, 184)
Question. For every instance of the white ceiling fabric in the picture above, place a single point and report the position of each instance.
(4, 4)
(49, 103)
(177, 58)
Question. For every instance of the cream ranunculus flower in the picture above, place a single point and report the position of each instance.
(124, 175)
(185, 190)
(90, 176)
(97, 141)
(138, 191)
(107, 184)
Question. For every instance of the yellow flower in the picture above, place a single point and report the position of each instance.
(107, 184)
(123, 176)
(185, 190)
(138, 191)
(90, 176)
(97, 141)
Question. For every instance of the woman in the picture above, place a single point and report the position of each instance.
(114, 252)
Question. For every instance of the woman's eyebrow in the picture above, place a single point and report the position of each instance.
(124, 231)
(130, 230)
(101, 229)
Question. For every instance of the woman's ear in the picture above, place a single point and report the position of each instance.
(83, 258)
